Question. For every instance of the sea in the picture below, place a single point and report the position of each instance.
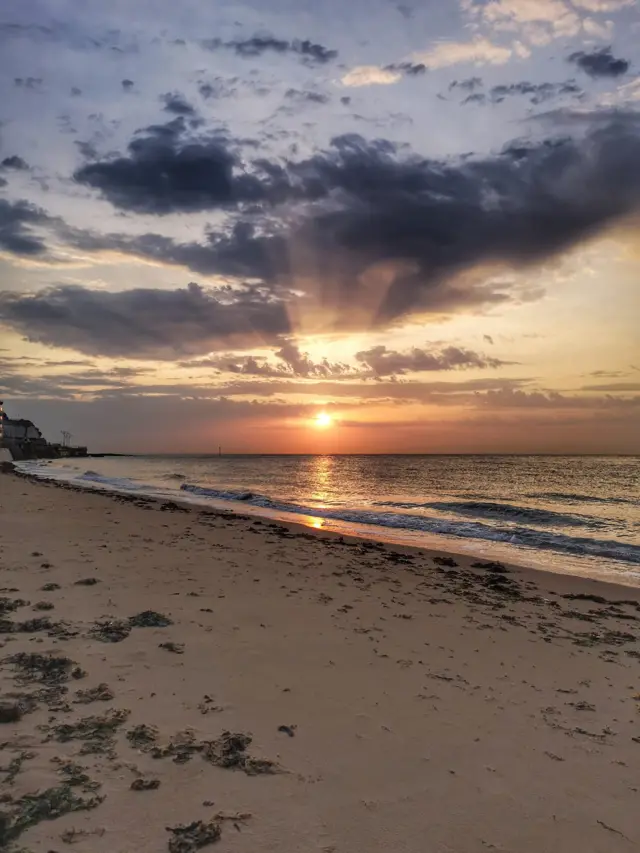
(577, 515)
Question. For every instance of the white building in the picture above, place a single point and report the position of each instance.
(18, 429)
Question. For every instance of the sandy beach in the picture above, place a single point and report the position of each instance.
(172, 679)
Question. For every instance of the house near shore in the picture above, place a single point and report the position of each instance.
(24, 440)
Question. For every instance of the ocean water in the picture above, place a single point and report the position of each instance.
(579, 515)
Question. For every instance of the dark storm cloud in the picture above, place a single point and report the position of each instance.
(17, 219)
(127, 85)
(599, 63)
(368, 204)
(309, 51)
(434, 218)
(176, 103)
(378, 233)
(144, 323)
(164, 171)
(14, 162)
(384, 362)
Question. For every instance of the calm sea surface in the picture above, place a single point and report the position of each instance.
(572, 514)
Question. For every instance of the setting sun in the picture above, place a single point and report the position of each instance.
(323, 420)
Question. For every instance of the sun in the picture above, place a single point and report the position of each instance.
(323, 420)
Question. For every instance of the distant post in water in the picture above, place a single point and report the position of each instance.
(1, 423)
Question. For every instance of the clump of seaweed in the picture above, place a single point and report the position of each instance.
(230, 751)
(181, 748)
(43, 605)
(10, 605)
(86, 582)
(31, 809)
(37, 625)
(145, 784)
(101, 693)
(149, 619)
(15, 766)
(193, 836)
(176, 648)
(96, 732)
(143, 737)
(10, 712)
(74, 775)
(50, 587)
(110, 630)
(48, 669)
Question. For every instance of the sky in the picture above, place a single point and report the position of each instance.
(286, 226)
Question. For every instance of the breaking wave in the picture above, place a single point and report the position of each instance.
(513, 535)
(504, 512)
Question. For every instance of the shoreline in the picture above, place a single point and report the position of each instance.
(270, 687)
(492, 550)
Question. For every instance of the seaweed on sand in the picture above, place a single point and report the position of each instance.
(97, 732)
(193, 836)
(74, 775)
(110, 630)
(10, 605)
(230, 751)
(31, 809)
(149, 619)
(46, 669)
(143, 737)
(101, 693)
(145, 784)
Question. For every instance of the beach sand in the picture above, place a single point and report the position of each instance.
(396, 700)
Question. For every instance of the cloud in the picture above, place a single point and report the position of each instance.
(379, 233)
(165, 172)
(27, 82)
(311, 97)
(511, 398)
(478, 51)
(177, 104)
(599, 63)
(384, 362)
(310, 52)
(290, 363)
(602, 5)
(370, 75)
(15, 163)
(468, 85)
(127, 85)
(537, 93)
(144, 323)
(537, 21)
(411, 69)
(17, 221)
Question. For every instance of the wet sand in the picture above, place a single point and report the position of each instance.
(172, 679)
